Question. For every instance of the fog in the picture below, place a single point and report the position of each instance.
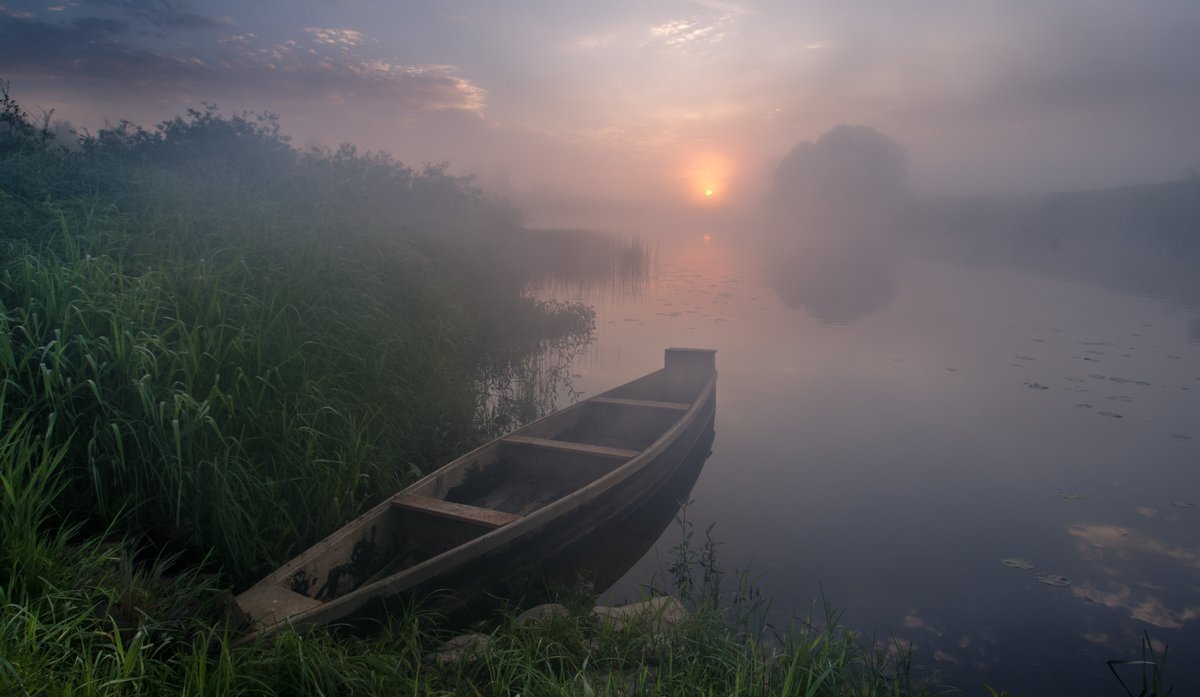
(834, 220)
(648, 107)
(830, 141)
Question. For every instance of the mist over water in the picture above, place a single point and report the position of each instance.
(978, 439)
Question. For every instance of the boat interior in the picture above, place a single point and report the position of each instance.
(502, 482)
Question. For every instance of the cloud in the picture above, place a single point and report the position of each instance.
(294, 68)
(98, 26)
(344, 38)
(164, 14)
(1099, 540)
(589, 42)
(1096, 539)
(7, 11)
(100, 54)
(85, 49)
(684, 33)
(1148, 609)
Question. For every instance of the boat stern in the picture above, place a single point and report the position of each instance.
(702, 361)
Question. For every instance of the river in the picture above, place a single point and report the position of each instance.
(995, 468)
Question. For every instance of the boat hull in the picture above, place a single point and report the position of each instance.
(620, 448)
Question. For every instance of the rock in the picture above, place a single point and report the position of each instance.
(657, 614)
(541, 613)
(460, 648)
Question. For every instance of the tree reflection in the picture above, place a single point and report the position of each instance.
(832, 212)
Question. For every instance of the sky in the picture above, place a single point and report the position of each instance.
(648, 103)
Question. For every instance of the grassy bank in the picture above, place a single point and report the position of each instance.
(237, 346)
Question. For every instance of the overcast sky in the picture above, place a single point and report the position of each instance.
(649, 100)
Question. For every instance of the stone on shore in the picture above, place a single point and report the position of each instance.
(657, 615)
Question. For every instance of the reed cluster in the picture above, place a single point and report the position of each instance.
(230, 350)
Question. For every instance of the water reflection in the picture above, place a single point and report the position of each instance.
(894, 466)
(598, 562)
(1112, 548)
(839, 283)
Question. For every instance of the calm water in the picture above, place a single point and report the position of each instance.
(892, 454)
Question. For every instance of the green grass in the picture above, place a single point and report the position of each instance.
(239, 350)
(124, 628)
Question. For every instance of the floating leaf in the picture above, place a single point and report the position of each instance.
(1071, 496)
(1183, 504)
(1056, 580)
(1018, 563)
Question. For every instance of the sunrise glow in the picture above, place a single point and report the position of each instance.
(705, 176)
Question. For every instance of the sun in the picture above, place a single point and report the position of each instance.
(705, 178)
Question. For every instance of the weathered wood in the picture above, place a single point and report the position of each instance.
(269, 603)
(642, 403)
(455, 511)
(570, 447)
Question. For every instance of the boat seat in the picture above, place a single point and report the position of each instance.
(567, 446)
(641, 403)
(462, 512)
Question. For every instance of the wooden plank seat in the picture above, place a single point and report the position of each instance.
(567, 446)
(485, 517)
(642, 403)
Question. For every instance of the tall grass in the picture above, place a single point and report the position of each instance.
(242, 345)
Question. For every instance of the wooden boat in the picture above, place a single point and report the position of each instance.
(499, 510)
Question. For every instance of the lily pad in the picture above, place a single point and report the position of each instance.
(1071, 496)
(1018, 563)
(1183, 504)
(1056, 580)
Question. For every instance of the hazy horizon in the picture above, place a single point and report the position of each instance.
(646, 108)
